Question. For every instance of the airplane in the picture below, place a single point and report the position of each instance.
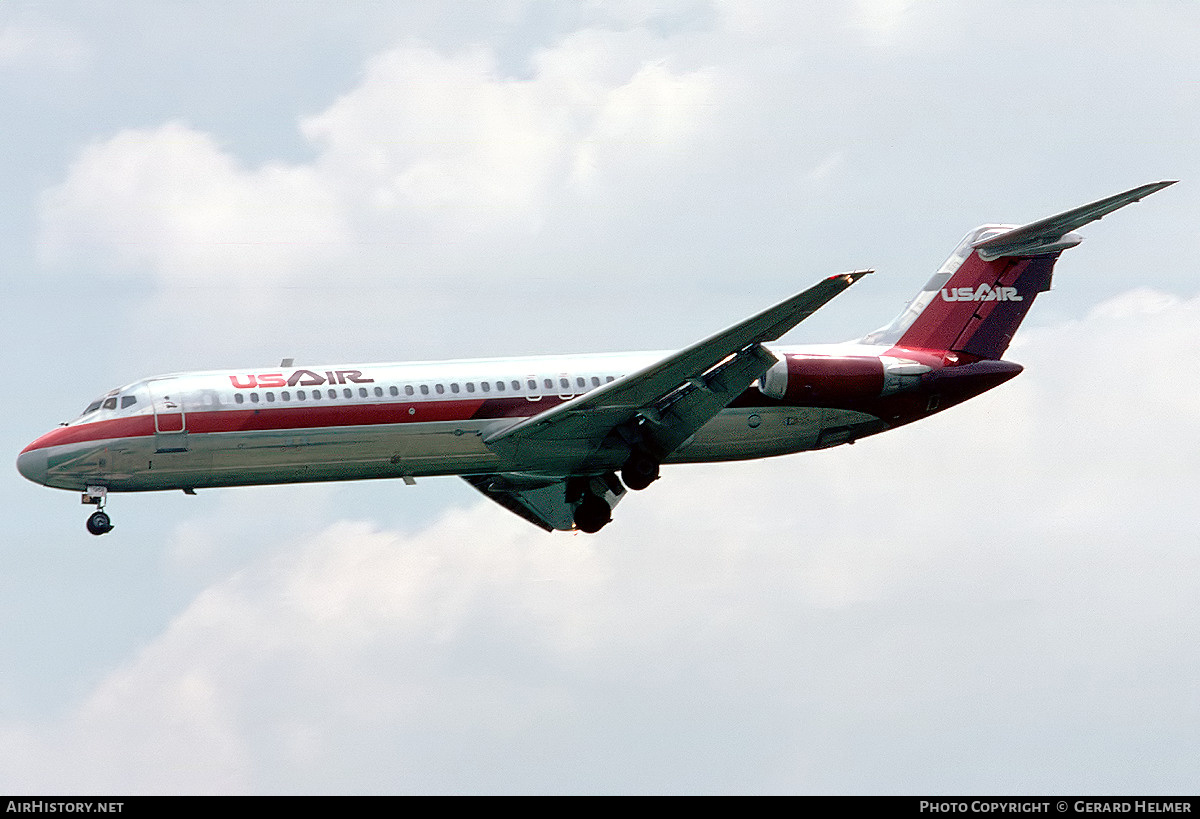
(560, 440)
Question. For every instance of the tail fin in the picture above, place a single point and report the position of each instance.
(980, 295)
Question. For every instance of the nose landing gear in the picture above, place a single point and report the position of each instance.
(98, 523)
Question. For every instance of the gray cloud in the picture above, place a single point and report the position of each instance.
(1002, 588)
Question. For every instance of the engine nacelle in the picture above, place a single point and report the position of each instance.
(835, 380)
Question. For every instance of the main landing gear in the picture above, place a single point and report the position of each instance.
(98, 523)
(592, 514)
(640, 470)
(592, 510)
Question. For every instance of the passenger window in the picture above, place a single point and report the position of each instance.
(595, 381)
(548, 383)
(110, 403)
(532, 384)
(564, 383)
(128, 401)
(485, 386)
(379, 392)
(408, 390)
(270, 398)
(499, 386)
(285, 395)
(454, 388)
(609, 378)
(516, 385)
(333, 393)
(238, 398)
(316, 395)
(393, 391)
(300, 395)
(348, 392)
(253, 398)
(580, 383)
(362, 392)
(470, 386)
(424, 389)
(439, 389)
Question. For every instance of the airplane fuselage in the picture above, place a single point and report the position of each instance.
(406, 420)
(559, 439)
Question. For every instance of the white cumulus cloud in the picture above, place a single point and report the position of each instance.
(829, 622)
(428, 148)
(172, 200)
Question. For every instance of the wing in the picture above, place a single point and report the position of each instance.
(663, 404)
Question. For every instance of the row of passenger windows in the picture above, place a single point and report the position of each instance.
(423, 389)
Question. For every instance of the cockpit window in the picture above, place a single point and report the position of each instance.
(108, 401)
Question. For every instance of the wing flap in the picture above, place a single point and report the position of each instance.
(536, 504)
(679, 415)
(541, 501)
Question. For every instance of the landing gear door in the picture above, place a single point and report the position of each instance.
(170, 420)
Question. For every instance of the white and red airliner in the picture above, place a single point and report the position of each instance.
(547, 437)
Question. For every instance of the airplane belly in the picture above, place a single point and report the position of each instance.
(263, 457)
(760, 432)
(350, 453)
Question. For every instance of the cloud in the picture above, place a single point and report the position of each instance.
(439, 176)
(993, 599)
(429, 148)
(171, 200)
(455, 192)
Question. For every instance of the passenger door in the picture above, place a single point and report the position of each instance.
(170, 420)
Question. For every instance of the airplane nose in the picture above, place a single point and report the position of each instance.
(32, 464)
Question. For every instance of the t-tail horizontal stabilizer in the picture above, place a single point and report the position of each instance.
(1050, 234)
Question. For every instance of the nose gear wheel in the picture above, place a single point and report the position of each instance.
(99, 523)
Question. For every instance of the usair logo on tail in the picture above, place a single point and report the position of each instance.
(982, 293)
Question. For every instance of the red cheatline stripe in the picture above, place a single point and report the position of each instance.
(298, 418)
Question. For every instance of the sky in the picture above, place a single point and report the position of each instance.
(1000, 599)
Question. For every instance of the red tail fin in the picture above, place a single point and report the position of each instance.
(979, 297)
(977, 308)
(970, 305)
